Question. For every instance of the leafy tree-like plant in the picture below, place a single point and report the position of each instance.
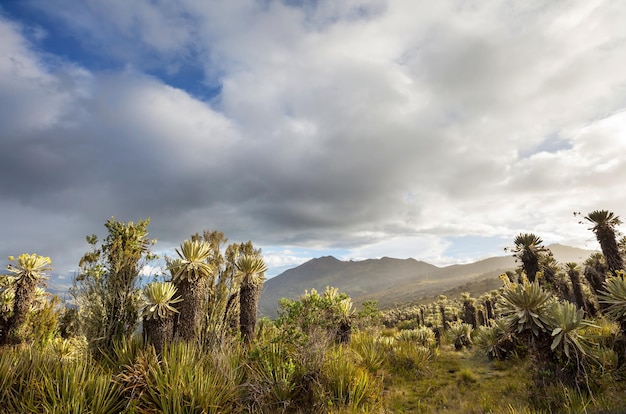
(524, 308)
(567, 322)
(595, 271)
(189, 274)
(604, 223)
(496, 340)
(29, 271)
(469, 309)
(158, 314)
(614, 298)
(460, 334)
(573, 271)
(107, 288)
(251, 269)
(528, 248)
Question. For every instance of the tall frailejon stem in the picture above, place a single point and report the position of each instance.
(604, 224)
(29, 271)
(190, 273)
(251, 269)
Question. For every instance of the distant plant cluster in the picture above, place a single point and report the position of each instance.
(190, 342)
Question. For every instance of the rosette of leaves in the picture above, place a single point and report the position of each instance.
(524, 306)
(28, 270)
(159, 298)
(158, 313)
(192, 262)
(460, 334)
(567, 322)
(345, 312)
(7, 297)
(614, 295)
(496, 340)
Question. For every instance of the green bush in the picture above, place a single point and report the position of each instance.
(348, 385)
(188, 380)
(409, 358)
(35, 380)
(370, 352)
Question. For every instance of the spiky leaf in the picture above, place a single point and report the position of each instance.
(159, 297)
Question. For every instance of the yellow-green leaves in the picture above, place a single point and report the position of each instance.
(29, 266)
(524, 305)
(193, 261)
(615, 296)
(249, 266)
(159, 297)
(567, 320)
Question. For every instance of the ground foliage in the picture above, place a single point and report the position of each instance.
(551, 343)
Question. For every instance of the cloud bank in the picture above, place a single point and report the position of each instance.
(368, 128)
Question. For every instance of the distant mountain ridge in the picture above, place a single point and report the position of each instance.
(390, 281)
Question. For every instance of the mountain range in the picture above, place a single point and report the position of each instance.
(395, 282)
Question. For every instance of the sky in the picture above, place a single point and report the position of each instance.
(359, 129)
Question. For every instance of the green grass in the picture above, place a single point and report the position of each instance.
(461, 382)
(467, 382)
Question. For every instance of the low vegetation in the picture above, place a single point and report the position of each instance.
(552, 338)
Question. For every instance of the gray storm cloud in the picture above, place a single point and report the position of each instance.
(355, 127)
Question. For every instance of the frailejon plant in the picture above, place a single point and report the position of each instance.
(528, 248)
(496, 340)
(604, 223)
(524, 305)
(189, 273)
(251, 270)
(568, 323)
(460, 334)
(29, 271)
(614, 295)
(158, 314)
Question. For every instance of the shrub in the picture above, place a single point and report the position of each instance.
(348, 385)
(496, 341)
(408, 358)
(36, 380)
(272, 381)
(190, 381)
(370, 352)
(460, 334)
(421, 336)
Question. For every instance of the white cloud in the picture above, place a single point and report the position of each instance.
(379, 128)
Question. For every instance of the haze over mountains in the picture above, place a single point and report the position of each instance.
(392, 281)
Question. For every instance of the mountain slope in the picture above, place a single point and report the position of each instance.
(390, 281)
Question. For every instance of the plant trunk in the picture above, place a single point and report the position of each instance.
(469, 316)
(489, 309)
(158, 332)
(189, 313)
(24, 295)
(248, 300)
(530, 263)
(574, 276)
(344, 332)
(610, 250)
